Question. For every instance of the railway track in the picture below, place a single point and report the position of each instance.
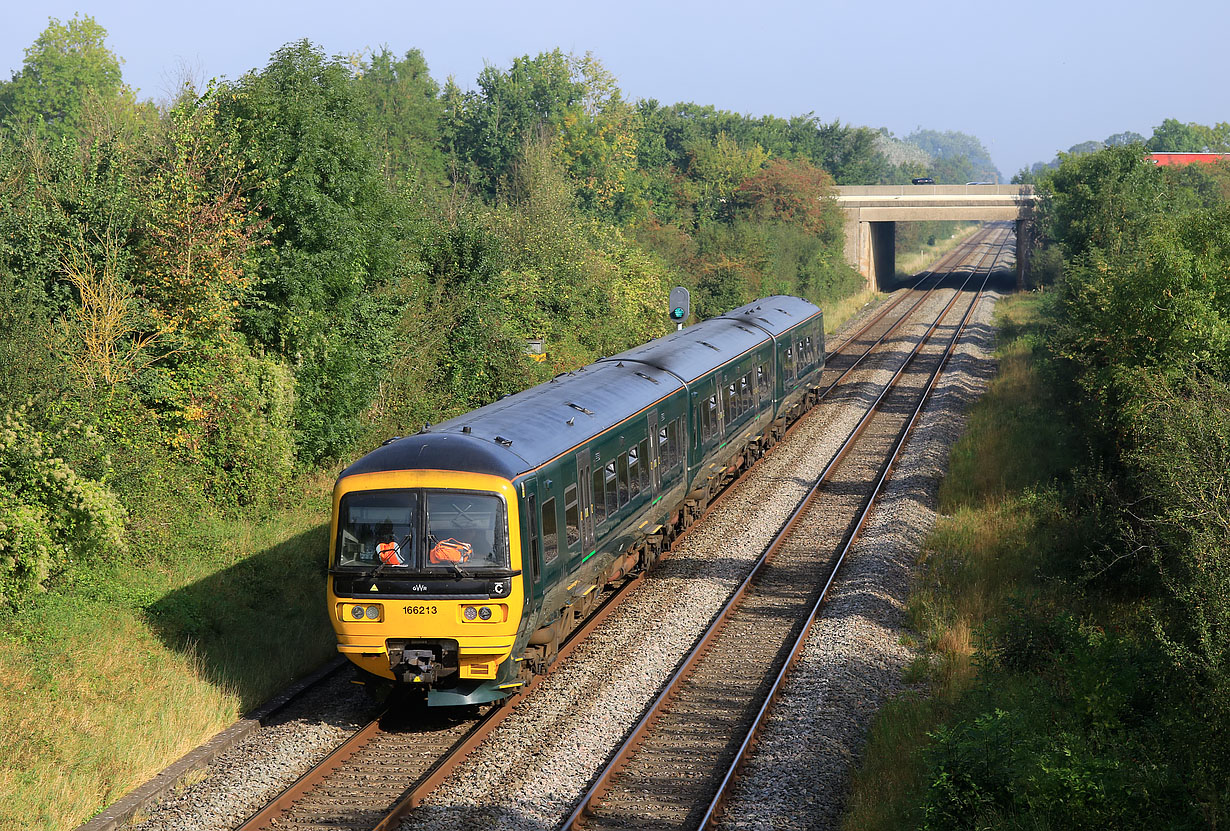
(427, 756)
(674, 768)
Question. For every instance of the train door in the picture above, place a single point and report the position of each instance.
(585, 508)
(550, 512)
(531, 544)
(655, 457)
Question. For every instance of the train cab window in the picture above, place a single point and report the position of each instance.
(378, 527)
(612, 489)
(550, 534)
(623, 479)
(467, 529)
(634, 471)
(646, 473)
(599, 499)
(572, 515)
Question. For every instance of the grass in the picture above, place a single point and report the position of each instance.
(910, 264)
(995, 506)
(105, 683)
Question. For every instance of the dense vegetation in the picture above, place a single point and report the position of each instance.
(1086, 538)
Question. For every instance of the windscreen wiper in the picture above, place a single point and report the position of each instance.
(460, 572)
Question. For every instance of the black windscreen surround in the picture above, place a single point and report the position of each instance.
(416, 529)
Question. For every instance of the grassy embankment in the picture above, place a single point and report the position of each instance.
(997, 518)
(102, 685)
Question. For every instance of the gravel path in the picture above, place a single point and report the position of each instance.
(246, 777)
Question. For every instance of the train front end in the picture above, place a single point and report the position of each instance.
(425, 586)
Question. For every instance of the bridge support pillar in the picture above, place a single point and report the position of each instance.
(871, 248)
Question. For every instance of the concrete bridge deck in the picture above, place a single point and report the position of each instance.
(872, 212)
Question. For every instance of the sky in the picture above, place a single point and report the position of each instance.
(1028, 78)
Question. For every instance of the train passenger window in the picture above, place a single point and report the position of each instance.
(634, 471)
(623, 479)
(674, 432)
(762, 381)
(732, 404)
(646, 473)
(789, 363)
(612, 489)
(599, 499)
(550, 534)
(664, 448)
(711, 410)
(572, 516)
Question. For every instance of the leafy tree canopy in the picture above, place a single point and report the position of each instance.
(66, 64)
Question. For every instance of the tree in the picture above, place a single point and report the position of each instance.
(337, 240)
(790, 191)
(1173, 136)
(1120, 139)
(953, 145)
(406, 111)
(66, 64)
(492, 125)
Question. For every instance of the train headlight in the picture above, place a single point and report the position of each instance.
(373, 612)
(485, 613)
(356, 612)
(469, 613)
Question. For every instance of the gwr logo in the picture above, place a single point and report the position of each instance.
(418, 587)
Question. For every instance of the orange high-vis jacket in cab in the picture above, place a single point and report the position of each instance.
(390, 553)
(450, 551)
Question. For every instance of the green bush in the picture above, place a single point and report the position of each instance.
(52, 519)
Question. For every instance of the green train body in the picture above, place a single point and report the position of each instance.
(550, 494)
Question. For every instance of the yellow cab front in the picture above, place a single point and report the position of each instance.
(425, 583)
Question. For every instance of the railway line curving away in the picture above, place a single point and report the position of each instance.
(529, 772)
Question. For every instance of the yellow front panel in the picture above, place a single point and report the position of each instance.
(480, 641)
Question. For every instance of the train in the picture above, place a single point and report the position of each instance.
(462, 556)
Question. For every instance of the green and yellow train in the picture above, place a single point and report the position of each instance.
(462, 556)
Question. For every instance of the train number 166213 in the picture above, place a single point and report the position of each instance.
(421, 610)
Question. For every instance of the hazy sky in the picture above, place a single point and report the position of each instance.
(1028, 78)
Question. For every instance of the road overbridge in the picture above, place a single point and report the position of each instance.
(873, 211)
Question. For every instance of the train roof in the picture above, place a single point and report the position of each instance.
(696, 350)
(521, 432)
(774, 314)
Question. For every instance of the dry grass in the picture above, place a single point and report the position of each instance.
(836, 314)
(96, 695)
